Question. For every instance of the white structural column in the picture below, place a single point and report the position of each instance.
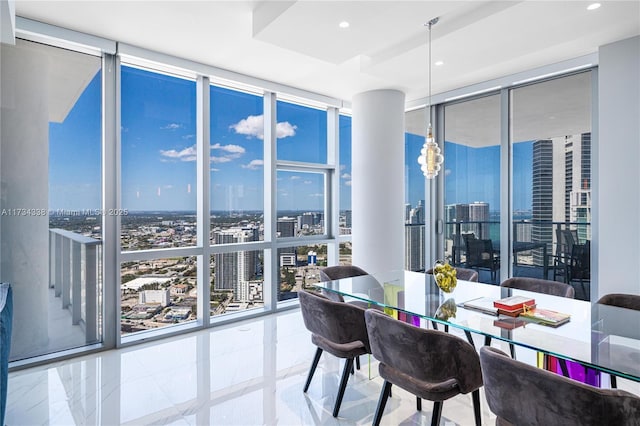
(378, 180)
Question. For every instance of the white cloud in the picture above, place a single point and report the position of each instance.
(187, 154)
(215, 170)
(167, 187)
(316, 195)
(250, 126)
(295, 177)
(308, 182)
(346, 176)
(235, 149)
(348, 183)
(172, 126)
(285, 129)
(188, 136)
(253, 126)
(253, 165)
(218, 160)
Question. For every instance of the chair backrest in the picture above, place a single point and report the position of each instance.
(331, 273)
(629, 301)
(337, 322)
(565, 239)
(528, 396)
(425, 355)
(480, 252)
(464, 274)
(580, 263)
(553, 288)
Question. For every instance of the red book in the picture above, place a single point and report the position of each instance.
(513, 303)
(514, 312)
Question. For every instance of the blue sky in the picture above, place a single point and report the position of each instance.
(158, 153)
(159, 149)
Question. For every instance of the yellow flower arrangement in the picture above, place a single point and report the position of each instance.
(445, 276)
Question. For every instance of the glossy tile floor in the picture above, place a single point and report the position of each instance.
(249, 373)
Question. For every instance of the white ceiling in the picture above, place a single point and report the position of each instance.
(299, 43)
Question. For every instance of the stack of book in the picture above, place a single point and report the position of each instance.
(514, 305)
(546, 317)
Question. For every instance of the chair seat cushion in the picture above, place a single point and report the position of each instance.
(341, 350)
(436, 391)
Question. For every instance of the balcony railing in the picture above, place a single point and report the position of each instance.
(74, 275)
(524, 231)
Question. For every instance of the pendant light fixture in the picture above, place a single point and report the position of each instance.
(430, 157)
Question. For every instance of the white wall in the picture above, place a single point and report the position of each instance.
(616, 159)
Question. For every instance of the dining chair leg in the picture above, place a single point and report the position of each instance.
(437, 413)
(348, 365)
(418, 403)
(512, 349)
(469, 338)
(434, 324)
(382, 401)
(475, 395)
(358, 363)
(487, 340)
(614, 381)
(316, 358)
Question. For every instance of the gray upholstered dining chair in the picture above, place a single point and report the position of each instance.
(338, 328)
(341, 271)
(428, 363)
(537, 285)
(523, 395)
(627, 301)
(338, 272)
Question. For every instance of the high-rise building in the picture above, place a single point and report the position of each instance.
(479, 213)
(414, 237)
(286, 227)
(561, 187)
(232, 269)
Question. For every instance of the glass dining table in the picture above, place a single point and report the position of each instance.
(599, 337)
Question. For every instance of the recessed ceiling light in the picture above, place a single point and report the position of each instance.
(438, 63)
(343, 24)
(593, 6)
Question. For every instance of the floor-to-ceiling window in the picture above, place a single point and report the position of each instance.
(236, 164)
(302, 182)
(472, 185)
(344, 172)
(158, 199)
(51, 208)
(551, 140)
(415, 208)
